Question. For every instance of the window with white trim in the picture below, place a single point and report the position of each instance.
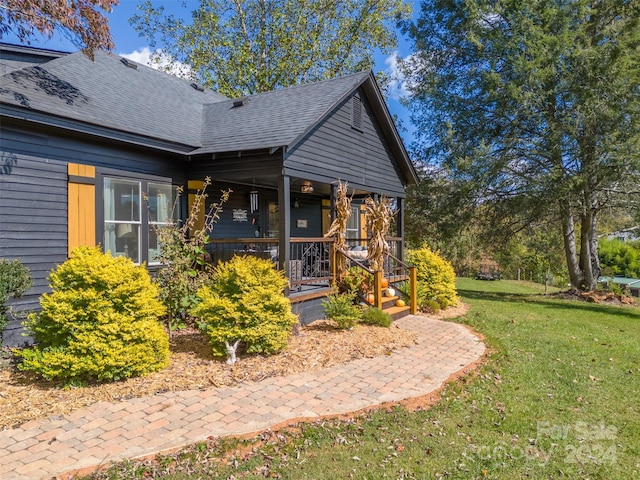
(133, 211)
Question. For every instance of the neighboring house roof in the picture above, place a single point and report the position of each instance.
(630, 282)
(144, 102)
(13, 57)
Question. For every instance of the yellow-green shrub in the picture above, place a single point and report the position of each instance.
(99, 323)
(245, 301)
(436, 278)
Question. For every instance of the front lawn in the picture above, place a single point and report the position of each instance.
(557, 398)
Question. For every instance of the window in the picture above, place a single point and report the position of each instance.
(133, 210)
(162, 212)
(122, 218)
(353, 224)
(273, 219)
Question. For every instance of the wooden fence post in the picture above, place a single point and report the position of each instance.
(377, 288)
(413, 285)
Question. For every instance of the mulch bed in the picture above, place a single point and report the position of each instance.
(320, 345)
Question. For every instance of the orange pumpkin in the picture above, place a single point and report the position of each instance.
(400, 303)
(385, 282)
(370, 298)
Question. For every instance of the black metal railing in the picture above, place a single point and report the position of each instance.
(309, 258)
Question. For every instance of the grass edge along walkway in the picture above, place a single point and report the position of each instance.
(558, 398)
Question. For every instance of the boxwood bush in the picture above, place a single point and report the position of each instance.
(101, 322)
(245, 301)
(436, 278)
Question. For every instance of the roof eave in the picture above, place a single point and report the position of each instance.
(19, 114)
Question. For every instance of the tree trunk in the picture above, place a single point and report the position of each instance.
(589, 261)
(569, 236)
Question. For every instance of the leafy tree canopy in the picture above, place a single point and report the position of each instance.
(242, 47)
(534, 107)
(81, 20)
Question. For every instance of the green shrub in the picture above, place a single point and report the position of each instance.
(99, 323)
(375, 316)
(340, 308)
(245, 301)
(357, 281)
(15, 279)
(436, 278)
(430, 306)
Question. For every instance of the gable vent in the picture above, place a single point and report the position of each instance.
(356, 112)
(129, 63)
(199, 88)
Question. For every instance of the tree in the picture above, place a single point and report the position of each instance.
(242, 47)
(536, 107)
(80, 20)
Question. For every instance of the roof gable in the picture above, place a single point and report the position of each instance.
(272, 119)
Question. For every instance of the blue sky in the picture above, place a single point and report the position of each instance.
(130, 45)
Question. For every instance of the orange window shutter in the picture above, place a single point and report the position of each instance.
(195, 186)
(81, 209)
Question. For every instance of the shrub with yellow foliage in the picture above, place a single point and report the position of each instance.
(245, 302)
(436, 278)
(101, 322)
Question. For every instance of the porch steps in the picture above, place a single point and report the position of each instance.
(389, 306)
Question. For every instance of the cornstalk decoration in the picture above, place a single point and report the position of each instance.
(338, 228)
(378, 215)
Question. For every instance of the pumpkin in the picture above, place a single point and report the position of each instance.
(400, 303)
(390, 292)
(370, 298)
(385, 282)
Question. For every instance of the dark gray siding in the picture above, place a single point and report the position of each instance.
(336, 150)
(309, 310)
(33, 198)
(308, 208)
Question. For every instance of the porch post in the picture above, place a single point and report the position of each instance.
(284, 226)
(332, 200)
(400, 227)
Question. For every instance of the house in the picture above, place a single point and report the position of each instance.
(83, 141)
(626, 284)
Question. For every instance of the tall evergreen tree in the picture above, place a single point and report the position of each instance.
(536, 106)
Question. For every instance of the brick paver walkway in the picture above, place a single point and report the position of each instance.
(106, 431)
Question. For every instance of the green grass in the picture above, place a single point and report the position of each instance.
(558, 397)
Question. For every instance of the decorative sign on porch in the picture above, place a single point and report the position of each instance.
(240, 215)
(301, 223)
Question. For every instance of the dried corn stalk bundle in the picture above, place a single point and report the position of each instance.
(378, 215)
(338, 228)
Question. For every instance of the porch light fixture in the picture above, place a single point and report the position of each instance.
(253, 201)
(306, 187)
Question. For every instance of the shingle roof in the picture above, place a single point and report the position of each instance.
(275, 118)
(144, 102)
(109, 94)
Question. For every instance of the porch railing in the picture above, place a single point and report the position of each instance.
(399, 274)
(404, 278)
(312, 262)
(309, 258)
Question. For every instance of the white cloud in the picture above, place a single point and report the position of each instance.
(397, 87)
(159, 60)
